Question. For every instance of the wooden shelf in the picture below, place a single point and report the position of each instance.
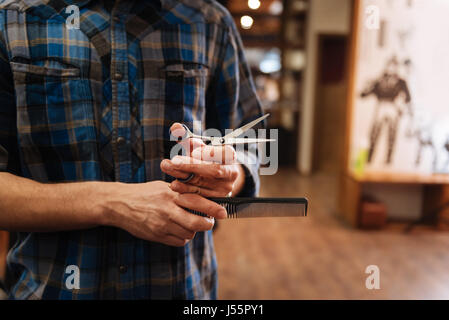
(400, 178)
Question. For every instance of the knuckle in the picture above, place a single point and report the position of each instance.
(210, 207)
(192, 225)
(178, 187)
(178, 197)
(170, 194)
(200, 225)
(162, 228)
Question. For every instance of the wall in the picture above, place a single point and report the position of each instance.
(325, 17)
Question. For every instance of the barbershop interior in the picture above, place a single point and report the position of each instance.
(374, 199)
(357, 90)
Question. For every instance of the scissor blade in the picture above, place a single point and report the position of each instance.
(246, 127)
(246, 140)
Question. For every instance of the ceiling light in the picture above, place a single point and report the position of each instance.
(246, 22)
(254, 4)
(276, 8)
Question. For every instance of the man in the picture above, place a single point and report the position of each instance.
(389, 111)
(84, 123)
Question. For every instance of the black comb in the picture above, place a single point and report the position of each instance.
(261, 207)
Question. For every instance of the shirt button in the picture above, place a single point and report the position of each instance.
(123, 269)
(121, 141)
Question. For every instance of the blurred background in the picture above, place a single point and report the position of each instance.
(344, 81)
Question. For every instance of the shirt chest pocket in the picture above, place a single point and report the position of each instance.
(183, 91)
(54, 112)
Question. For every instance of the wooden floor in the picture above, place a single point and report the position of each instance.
(319, 257)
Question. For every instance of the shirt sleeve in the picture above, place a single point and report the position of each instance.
(232, 101)
(8, 131)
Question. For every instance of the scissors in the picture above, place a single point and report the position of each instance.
(229, 139)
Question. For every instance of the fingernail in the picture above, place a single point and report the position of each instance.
(211, 220)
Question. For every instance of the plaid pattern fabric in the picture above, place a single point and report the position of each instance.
(95, 104)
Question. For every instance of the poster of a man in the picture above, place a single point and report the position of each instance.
(399, 117)
(393, 100)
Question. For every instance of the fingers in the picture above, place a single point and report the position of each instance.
(198, 167)
(201, 204)
(168, 168)
(207, 175)
(191, 222)
(179, 231)
(218, 154)
(174, 241)
(197, 149)
(177, 130)
(180, 187)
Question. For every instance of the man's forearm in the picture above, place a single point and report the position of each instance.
(26, 205)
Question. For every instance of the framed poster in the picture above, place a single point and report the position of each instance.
(399, 123)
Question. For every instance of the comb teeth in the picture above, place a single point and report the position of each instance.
(260, 207)
(231, 209)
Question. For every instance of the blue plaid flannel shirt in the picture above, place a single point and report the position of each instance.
(95, 104)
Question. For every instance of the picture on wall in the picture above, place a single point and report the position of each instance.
(400, 101)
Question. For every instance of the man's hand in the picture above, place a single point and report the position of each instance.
(215, 168)
(150, 211)
(153, 212)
